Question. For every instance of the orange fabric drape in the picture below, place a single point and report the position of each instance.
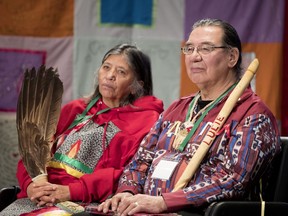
(53, 18)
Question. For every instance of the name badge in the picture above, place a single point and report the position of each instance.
(164, 169)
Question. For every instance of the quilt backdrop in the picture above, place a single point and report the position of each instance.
(73, 36)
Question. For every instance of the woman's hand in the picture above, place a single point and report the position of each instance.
(59, 194)
(47, 193)
(37, 190)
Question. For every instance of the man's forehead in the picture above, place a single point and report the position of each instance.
(206, 34)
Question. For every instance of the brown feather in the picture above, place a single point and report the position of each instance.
(38, 111)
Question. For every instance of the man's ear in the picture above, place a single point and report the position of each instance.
(233, 57)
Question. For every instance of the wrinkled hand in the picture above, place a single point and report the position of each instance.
(113, 202)
(47, 193)
(129, 204)
(36, 190)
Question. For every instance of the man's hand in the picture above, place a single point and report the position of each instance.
(113, 202)
(142, 203)
(127, 204)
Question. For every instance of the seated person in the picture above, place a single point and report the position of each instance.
(90, 155)
(238, 156)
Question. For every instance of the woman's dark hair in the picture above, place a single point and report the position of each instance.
(140, 64)
(230, 38)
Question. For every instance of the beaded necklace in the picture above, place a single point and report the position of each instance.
(185, 131)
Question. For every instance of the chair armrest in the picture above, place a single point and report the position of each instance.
(246, 208)
(8, 195)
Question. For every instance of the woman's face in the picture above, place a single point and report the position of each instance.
(115, 78)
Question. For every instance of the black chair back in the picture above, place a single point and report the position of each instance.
(281, 187)
(275, 194)
(8, 195)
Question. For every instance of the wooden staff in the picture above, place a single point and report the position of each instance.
(216, 126)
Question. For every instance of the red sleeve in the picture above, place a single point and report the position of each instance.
(97, 186)
(175, 201)
(23, 179)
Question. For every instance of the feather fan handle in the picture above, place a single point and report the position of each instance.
(38, 111)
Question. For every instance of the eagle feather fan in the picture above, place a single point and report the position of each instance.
(38, 111)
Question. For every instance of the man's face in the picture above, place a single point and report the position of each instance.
(212, 68)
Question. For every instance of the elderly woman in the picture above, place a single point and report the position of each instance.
(237, 158)
(97, 136)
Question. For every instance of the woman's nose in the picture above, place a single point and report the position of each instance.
(111, 74)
